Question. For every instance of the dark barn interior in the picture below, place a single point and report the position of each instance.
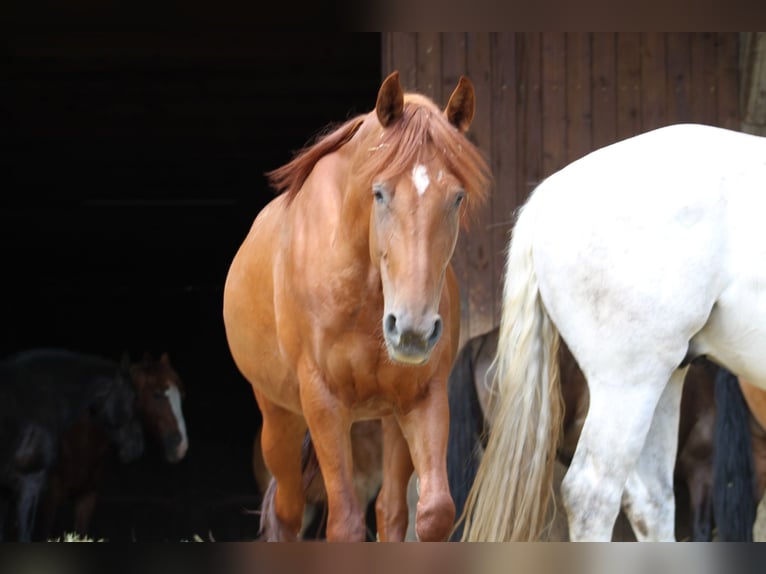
(133, 165)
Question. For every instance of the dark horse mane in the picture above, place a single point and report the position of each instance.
(422, 126)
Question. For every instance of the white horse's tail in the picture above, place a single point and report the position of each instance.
(510, 496)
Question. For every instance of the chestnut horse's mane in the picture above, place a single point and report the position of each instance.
(290, 177)
(422, 127)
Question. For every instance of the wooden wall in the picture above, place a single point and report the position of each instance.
(546, 99)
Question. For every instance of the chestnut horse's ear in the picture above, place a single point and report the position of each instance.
(461, 105)
(390, 100)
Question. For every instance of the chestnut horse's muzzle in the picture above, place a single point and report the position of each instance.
(410, 343)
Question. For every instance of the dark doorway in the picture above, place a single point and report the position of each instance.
(132, 169)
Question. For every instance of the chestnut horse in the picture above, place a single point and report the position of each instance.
(341, 305)
(82, 460)
(642, 256)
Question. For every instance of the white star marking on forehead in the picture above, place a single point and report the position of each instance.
(420, 178)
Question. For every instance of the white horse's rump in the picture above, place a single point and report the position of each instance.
(644, 254)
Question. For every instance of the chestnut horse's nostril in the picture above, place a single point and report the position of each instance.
(389, 325)
(436, 332)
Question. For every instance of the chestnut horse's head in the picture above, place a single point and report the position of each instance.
(420, 171)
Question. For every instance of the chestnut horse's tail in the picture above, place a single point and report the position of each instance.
(734, 498)
(270, 525)
(269, 521)
(510, 496)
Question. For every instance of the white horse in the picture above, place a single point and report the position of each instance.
(643, 255)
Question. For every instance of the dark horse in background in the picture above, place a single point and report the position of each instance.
(721, 460)
(79, 473)
(42, 394)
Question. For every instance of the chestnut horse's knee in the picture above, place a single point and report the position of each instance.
(435, 517)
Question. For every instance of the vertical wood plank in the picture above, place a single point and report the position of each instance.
(453, 59)
(728, 80)
(628, 84)
(453, 46)
(553, 101)
(480, 301)
(404, 58)
(579, 125)
(653, 81)
(429, 65)
(753, 82)
(703, 85)
(386, 55)
(529, 112)
(504, 157)
(678, 78)
(604, 89)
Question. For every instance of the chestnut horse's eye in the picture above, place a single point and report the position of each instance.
(379, 192)
(459, 197)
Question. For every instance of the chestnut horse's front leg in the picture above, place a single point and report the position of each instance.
(330, 425)
(391, 511)
(426, 426)
(281, 442)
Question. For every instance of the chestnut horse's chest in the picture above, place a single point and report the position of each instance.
(362, 377)
(344, 351)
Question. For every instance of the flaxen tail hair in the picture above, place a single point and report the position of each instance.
(510, 496)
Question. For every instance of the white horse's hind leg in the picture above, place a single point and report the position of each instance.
(649, 500)
(622, 405)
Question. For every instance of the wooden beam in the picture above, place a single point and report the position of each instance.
(753, 82)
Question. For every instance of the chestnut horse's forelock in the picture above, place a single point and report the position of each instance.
(387, 153)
